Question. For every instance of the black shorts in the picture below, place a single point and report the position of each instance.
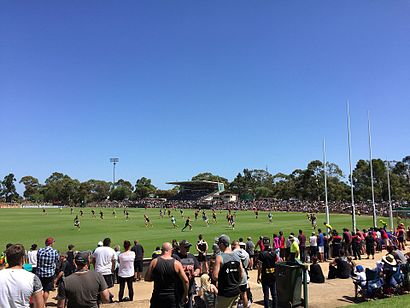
(138, 266)
(243, 288)
(47, 283)
(201, 257)
(109, 279)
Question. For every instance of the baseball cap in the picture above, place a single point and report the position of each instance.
(82, 257)
(100, 243)
(185, 243)
(49, 241)
(359, 268)
(224, 240)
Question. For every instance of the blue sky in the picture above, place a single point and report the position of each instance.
(174, 88)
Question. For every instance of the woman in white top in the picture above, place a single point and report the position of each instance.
(313, 245)
(126, 272)
(32, 257)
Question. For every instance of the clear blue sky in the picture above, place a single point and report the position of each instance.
(174, 88)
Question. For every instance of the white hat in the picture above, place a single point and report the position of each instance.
(100, 243)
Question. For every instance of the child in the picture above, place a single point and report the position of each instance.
(208, 291)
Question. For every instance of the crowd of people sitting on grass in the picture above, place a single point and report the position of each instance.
(27, 277)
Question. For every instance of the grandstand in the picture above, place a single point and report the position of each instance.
(200, 190)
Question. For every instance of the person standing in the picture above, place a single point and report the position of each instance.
(250, 249)
(293, 249)
(191, 267)
(370, 241)
(139, 259)
(244, 257)
(32, 257)
(321, 245)
(47, 259)
(17, 285)
(165, 272)
(356, 246)
(302, 245)
(126, 272)
(313, 245)
(266, 275)
(202, 248)
(228, 273)
(70, 259)
(84, 288)
(104, 263)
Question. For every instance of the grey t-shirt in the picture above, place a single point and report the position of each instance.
(81, 289)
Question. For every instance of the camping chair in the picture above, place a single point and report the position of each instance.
(374, 284)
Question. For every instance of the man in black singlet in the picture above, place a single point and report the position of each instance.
(165, 271)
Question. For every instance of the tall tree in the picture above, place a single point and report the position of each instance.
(8, 190)
(208, 176)
(144, 188)
(61, 188)
(32, 188)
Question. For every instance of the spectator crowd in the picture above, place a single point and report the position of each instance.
(86, 278)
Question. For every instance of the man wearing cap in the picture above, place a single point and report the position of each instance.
(294, 248)
(17, 285)
(228, 274)
(191, 267)
(84, 287)
(266, 275)
(47, 259)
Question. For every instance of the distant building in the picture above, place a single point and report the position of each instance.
(198, 190)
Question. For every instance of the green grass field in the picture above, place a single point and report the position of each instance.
(396, 301)
(28, 226)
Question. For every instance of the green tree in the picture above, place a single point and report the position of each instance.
(144, 188)
(123, 190)
(119, 193)
(32, 188)
(62, 189)
(208, 176)
(8, 189)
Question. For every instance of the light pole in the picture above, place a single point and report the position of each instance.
(114, 161)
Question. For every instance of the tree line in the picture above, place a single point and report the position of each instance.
(301, 184)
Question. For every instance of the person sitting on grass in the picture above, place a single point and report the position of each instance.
(340, 267)
(315, 272)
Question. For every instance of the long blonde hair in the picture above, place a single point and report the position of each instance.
(206, 282)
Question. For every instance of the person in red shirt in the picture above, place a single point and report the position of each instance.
(356, 240)
(282, 245)
(260, 244)
(400, 236)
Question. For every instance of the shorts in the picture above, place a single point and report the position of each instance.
(201, 257)
(109, 279)
(401, 239)
(47, 283)
(243, 288)
(138, 266)
(321, 249)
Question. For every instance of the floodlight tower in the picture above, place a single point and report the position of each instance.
(114, 161)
